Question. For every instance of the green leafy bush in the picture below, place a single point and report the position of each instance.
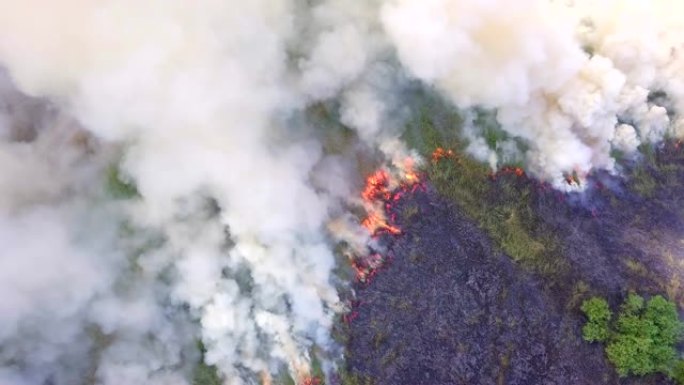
(599, 314)
(643, 337)
(678, 372)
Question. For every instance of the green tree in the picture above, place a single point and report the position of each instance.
(643, 337)
(633, 304)
(599, 315)
(678, 372)
(663, 314)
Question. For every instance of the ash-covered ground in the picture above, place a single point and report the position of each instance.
(451, 308)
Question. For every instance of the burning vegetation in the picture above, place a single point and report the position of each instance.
(383, 189)
(441, 153)
(312, 381)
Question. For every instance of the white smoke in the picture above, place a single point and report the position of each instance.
(199, 95)
(527, 62)
(72, 310)
(201, 103)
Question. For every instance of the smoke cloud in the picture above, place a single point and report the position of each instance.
(202, 106)
(199, 96)
(562, 78)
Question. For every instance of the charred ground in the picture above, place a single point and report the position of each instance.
(453, 310)
(485, 283)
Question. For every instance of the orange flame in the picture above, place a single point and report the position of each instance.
(410, 174)
(375, 223)
(382, 190)
(366, 268)
(440, 154)
(377, 186)
(378, 189)
(508, 170)
(517, 171)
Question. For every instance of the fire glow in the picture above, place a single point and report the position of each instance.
(441, 153)
(383, 189)
(508, 170)
(311, 381)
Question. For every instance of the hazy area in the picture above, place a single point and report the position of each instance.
(340, 191)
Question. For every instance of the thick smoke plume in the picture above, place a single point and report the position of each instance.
(202, 106)
(570, 81)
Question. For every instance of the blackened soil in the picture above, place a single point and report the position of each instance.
(452, 309)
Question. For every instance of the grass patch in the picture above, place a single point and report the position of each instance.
(501, 207)
(434, 124)
(643, 182)
(118, 186)
(205, 374)
(659, 169)
(347, 378)
(579, 291)
(491, 131)
(637, 268)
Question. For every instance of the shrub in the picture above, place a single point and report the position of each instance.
(643, 337)
(678, 372)
(599, 315)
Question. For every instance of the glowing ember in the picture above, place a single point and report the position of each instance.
(517, 171)
(508, 170)
(365, 268)
(440, 154)
(353, 313)
(311, 381)
(349, 317)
